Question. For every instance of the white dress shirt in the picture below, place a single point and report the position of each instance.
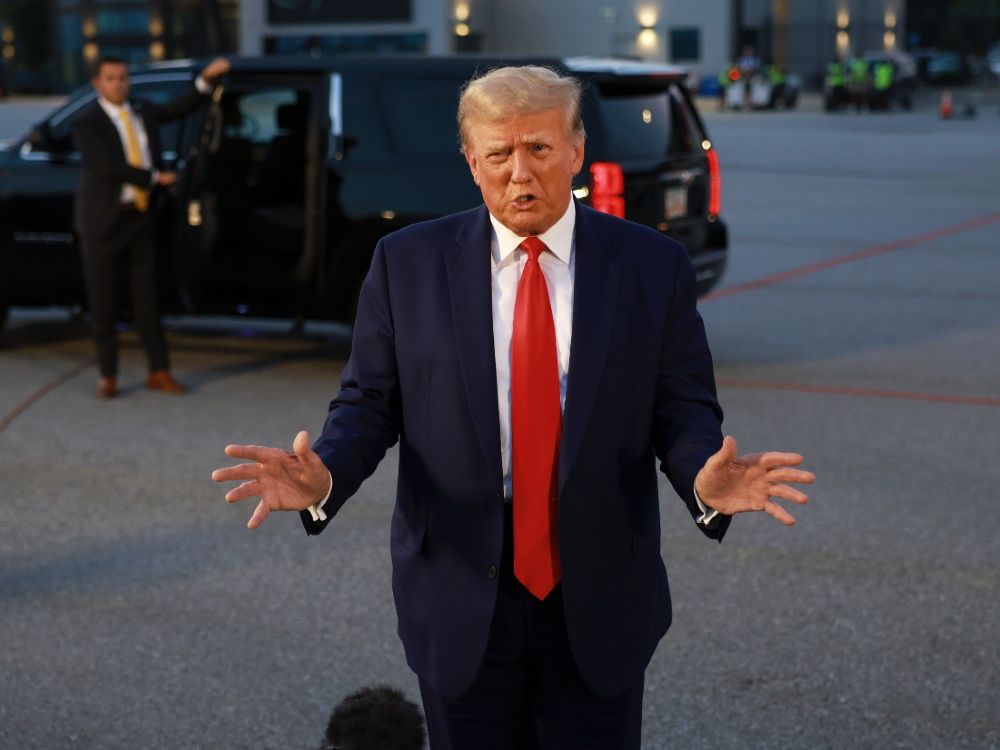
(559, 268)
(114, 112)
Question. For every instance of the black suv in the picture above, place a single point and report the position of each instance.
(294, 168)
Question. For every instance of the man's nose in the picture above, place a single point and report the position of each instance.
(521, 168)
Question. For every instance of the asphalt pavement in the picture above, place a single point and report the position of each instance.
(858, 323)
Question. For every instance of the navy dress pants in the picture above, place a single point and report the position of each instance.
(128, 252)
(528, 694)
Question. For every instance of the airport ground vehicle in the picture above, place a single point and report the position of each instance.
(296, 167)
(758, 91)
(901, 93)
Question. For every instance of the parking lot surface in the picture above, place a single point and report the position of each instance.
(858, 323)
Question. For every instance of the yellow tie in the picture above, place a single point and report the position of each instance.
(134, 158)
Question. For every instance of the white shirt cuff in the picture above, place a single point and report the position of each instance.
(707, 514)
(316, 509)
(202, 85)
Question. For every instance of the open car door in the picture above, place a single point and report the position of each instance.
(250, 226)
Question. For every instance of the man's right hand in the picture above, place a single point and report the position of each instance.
(166, 178)
(730, 483)
(282, 480)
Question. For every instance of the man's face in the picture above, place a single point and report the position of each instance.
(525, 168)
(112, 82)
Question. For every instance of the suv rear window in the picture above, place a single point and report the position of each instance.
(420, 118)
(643, 121)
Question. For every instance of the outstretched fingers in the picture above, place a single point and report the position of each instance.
(776, 511)
(245, 490)
(795, 476)
(776, 460)
(258, 453)
(723, 456)
(788, 493)
(240, 471)
(259, 514)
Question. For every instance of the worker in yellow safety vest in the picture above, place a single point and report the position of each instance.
(883, 74)
(836, 85)
(776, 76)
(858, 82)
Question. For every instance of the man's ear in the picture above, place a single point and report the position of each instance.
(470, 159)
(578, 151)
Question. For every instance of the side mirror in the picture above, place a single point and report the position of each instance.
(40, 137)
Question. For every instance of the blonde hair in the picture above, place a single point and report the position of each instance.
(511, 91)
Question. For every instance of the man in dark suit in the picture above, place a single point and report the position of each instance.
(534, 358)
(119, 140)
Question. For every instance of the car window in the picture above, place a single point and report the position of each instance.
(256, 117)
(420, 119)
(161, 93)
(644, 121)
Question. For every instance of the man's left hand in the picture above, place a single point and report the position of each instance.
(730, 483)
(218, 67)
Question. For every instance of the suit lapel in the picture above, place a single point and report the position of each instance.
(471, 292)
(595, 296)
(109, 132)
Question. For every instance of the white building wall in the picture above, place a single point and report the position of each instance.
(714, 19)
(803, 32)
(431, 17)
(562, 28)
(557, 28)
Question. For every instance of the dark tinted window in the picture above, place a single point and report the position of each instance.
(161, 93)
(685, 45)
(644, 121)
(364, 131)
(400, 117)
(420, 119)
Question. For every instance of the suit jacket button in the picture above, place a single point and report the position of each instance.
(493, 571)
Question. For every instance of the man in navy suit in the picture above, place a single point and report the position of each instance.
(119, 142)
(534, 358)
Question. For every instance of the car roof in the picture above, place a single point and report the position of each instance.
(470, 63)
(902, 60)
(618, 66)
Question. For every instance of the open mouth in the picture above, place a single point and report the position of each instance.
(524, 201)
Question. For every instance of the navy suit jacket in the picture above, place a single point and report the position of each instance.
(640, 388)
(105, 163)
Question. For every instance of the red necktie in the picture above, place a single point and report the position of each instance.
(535, 429)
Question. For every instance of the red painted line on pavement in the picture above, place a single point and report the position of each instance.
(22, 407)
(865, 392)
(870, 252)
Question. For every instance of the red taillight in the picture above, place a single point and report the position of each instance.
(714, 184)
(608, 188)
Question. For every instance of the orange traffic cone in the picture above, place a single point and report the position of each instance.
(946, 109)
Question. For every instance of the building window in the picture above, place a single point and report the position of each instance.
(337, 11)
(685, 45)
(123, 22)
(339, 44)
(70, 46)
